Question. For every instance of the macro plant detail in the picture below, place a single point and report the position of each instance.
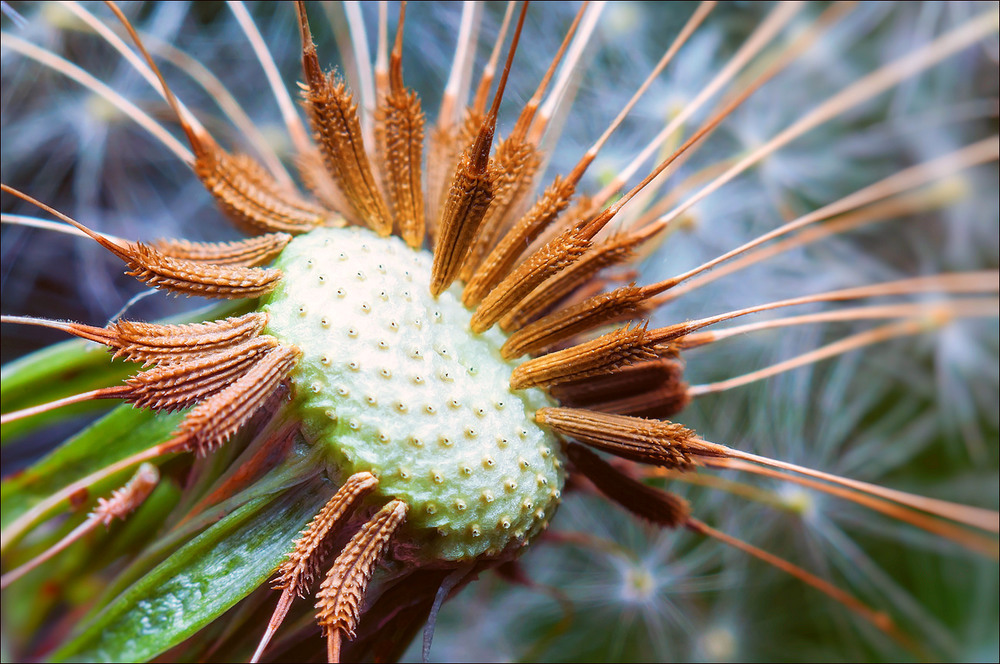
(429, 341)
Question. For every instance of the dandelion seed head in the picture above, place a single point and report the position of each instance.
(718, 644)
(800, 502)
(638, 585)
(913, 414)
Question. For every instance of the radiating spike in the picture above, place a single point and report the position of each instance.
(399, 137)
(337, 130)
(456, 91)
(163, 344)
(593, 226)
(202, 76)
(250, 133)
(638, 377)
(445, 145)
(339, 598)
(877, 618)
(122, 502)
(658, 403)
(611, 252)
(144, 70)
(245, 191)
(501, 259)
(296, 574)
(543, 261)
(943, 310)
(27, 221)
(64, 496)
(982, 544)
(804, 40)
(361, 54)
(602, 355)
(548, 261)
(580, 210)
(149, 342)
(471, 191)
(482, 95)
(127, 108)
(316, 178)
(627, 302)
(574, 319)
(659, 507)
(183, 384)
(985, 281)
(193, 278)
(977, 517)
(516, 163)
(877, 82)
(251, 252)
(647, 441)
(212, 423)
(599, 284)
(555, 199)
(468, 200)
(116, 392)
(763, 35)
(293, 123)
(250, 197)
(190, 278)
(527, 116)
(447, 140)
(560, 99)
(381, 76)
(847, 344)
(885, 198)
(654, 389)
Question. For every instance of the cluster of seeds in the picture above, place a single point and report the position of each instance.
(448, 395)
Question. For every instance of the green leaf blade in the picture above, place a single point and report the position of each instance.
(199, 582)
(121, 433)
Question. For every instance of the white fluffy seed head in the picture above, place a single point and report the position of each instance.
(393, 382)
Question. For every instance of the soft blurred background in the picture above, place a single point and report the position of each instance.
(918, 414)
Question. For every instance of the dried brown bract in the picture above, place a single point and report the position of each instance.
(590, 358)
(251, 252)
(339, 598)
(337, 130)
(399, 141)
(210, 424)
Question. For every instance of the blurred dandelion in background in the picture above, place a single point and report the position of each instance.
(918, 413)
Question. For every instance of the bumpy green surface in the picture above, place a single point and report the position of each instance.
(393, 382)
